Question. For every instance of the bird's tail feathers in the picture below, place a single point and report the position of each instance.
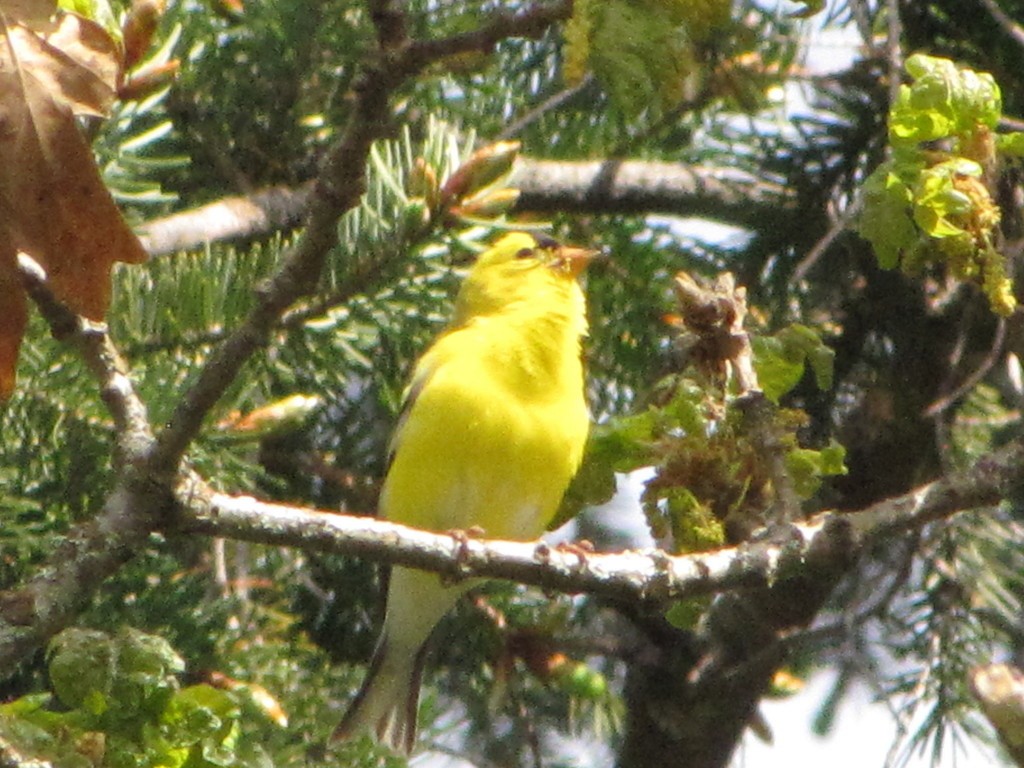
(387, 702)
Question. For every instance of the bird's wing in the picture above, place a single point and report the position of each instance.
(421, 376)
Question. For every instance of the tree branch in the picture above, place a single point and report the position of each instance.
(1014, 30)
(546, 186)
(230, 219)
(53, 598)
(628, 186)
(100, 355)
(645, 575)
(149, 467)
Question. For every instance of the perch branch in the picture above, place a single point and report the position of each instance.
(647, 574)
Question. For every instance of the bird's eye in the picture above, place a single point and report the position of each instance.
(524, 253)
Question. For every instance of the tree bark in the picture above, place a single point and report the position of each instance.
(546, 186)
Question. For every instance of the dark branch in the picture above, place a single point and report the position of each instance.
(625, 186)
(546, 186)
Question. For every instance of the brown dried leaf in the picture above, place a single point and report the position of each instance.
(13, 318)
(53, 203)
(35, 14)
(76, 63)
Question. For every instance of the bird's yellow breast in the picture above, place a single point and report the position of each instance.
(495, 432)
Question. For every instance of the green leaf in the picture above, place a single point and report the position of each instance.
(693, 524)
(1011, 143)
(886, 220)
(944, 100)
(780, 360)
(685, 614)
(807, 467)
(638, 50)
(82, 665)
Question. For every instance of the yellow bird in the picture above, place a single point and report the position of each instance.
(492, 432)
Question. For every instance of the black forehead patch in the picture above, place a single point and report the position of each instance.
(545, 242)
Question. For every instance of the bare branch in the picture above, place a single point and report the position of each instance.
(995, 353)
(53, 598)
(646, 575)
(643, 574)
(101, 356)
(1005, 22)
(531, 22)
(627, 186)
(229, 219)
(546, 186)
(990, 481)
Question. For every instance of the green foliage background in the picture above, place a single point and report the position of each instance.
(853, 353)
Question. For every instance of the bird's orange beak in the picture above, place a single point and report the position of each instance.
(574, 260)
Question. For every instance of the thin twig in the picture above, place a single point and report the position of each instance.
(549, 104)
(1014, 30)
(991, 358)
(840, 225)
(894, 49)
(131, 420)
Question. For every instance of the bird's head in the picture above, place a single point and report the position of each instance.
(523, 269)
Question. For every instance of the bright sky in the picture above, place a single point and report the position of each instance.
(863, 735)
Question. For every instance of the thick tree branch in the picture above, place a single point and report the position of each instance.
(230, 219)
(546, 186)
(645, 575)
(53, 598)
(692, 694)
(643, 187)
